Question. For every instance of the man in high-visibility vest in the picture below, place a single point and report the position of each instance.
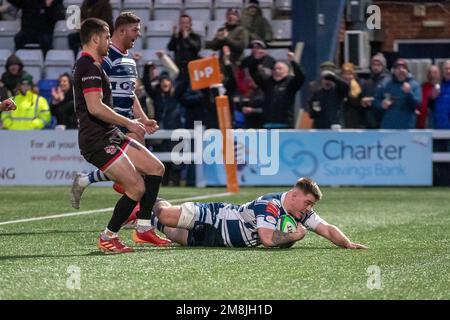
(32, 111)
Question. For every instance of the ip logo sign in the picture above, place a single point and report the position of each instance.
(204, 73)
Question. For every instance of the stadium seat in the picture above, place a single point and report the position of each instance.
(58, 62)
(282, 29)
(140, 7)
(8, 30)
(45, 88)
(157, 43)
(206, 53)
(278, 54)
(198, 9)
(60, 34)
(33, 61)
(4, 55)
(199, 27)
(160, 27)
(221, 7)
(167, 9)
(72, 2)
(283, 5)
(212, 28)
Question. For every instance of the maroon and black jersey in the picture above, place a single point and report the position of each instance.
(88, 77)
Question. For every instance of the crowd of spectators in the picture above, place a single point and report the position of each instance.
(262, 90)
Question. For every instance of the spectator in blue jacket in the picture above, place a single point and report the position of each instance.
(440, 100)
(399, 99)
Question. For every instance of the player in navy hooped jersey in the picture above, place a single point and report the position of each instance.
(251, 224)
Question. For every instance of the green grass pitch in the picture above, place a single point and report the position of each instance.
(407, 230)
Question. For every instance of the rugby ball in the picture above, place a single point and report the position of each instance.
(287, 224)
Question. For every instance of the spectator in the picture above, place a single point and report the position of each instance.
(38, 21)
(280, 90)
(232, 35)
(4, 94)
(7, 11)
(101, 9)
(326, 103)
(379, 76)
(258, 57)
(32, 111)
(185, 44)
(255, 23)
(353, 113)
(62, 103)
(425, 116)
(399, 99)
(14, 73)
(166, 101)
(440, 99)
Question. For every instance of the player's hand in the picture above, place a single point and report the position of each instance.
(352, 245)
(8, 105)
(136, 127)
(300, 232)
(137, 56)
(160, 54)
(151, 126)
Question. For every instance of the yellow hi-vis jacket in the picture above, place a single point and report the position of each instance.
(32, 113)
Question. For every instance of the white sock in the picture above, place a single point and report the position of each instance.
(108, 234)
(143, 225)
(84, 180)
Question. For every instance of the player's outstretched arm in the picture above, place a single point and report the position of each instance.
(335, 235)
(274, 238)
(101, 111)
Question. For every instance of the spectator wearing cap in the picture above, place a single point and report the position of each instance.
(258, 57)
(425, 116)
(280, 90)
(324, 66)
(62, 103)
(379, 76)
(14, 72)
(32, 112)
(440, 100)
(166, 97)
(232, 35)
(185, 43)
(326, 103)
(256, 24)
(38, 21)
(399, 99)
(353, 112)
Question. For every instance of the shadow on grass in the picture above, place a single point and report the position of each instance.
(161, 250)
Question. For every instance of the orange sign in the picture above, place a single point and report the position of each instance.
(204, 73)
(224, 114)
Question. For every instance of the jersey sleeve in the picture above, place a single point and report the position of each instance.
(91, 79)
(267, 214)
(312, 220)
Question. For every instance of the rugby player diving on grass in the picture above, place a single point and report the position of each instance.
(248, 225)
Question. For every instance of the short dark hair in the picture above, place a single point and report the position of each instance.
(124, 18)
(309, 186)
(90, 27)
(184, 15)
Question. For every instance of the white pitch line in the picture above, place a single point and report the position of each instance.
(81, 213)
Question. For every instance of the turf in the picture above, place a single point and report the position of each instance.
(407, 230)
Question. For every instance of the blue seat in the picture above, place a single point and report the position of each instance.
(45, 88)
